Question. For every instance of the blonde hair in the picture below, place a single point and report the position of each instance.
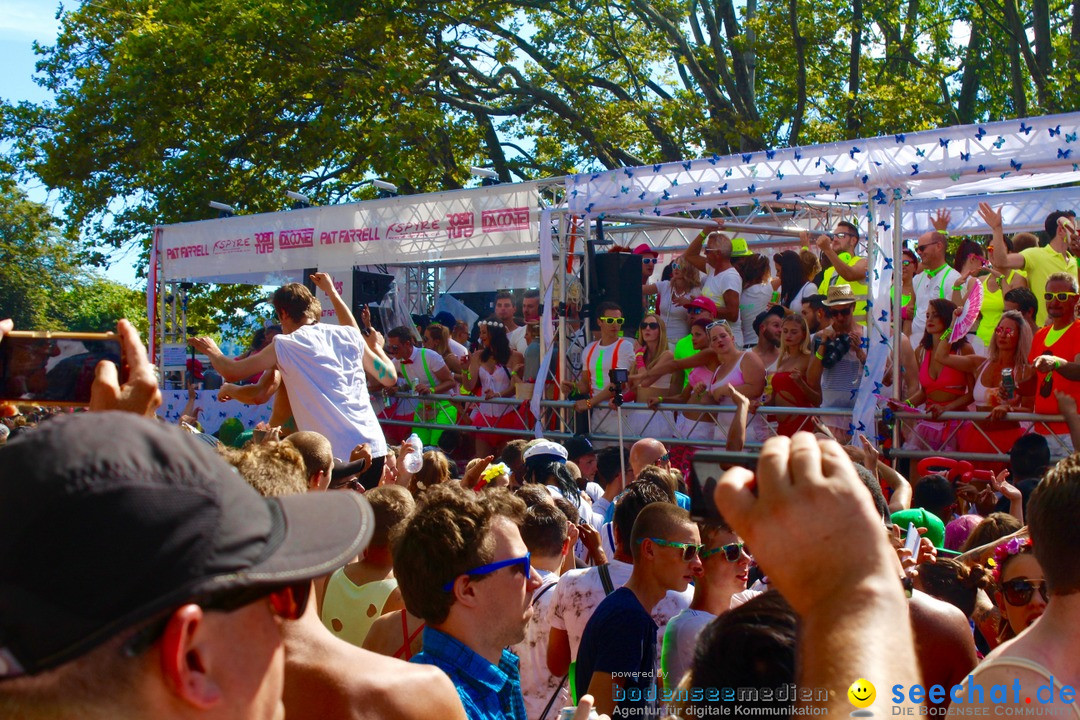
(804, 347)
(691, 275)
(661, 341)
(1023, 344)
(441, 335)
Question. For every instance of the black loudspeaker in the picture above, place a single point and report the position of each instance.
(616, 277)
(369, 288)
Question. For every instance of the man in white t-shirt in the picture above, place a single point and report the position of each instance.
(725, 286)
(323, 367)
(935, 281)
(420, 371)
(598, 359)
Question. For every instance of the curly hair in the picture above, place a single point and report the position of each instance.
(448, 534)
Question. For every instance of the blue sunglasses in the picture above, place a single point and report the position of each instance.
(525, 561)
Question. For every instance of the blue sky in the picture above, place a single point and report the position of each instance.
(21, 23)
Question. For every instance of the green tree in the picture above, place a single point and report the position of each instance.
(153, 115)
(35, 261)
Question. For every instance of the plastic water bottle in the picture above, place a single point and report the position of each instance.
(414, 458)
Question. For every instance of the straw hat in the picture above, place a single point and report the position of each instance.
(841, 295)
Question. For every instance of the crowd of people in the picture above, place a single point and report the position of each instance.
(335, 566)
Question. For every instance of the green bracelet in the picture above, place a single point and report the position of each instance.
(819, 355)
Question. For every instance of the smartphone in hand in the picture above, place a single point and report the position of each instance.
(55, 368)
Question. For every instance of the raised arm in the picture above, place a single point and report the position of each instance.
(378, 365)
(233, 370)
(324, 282)
(851, 273)
(999, 253)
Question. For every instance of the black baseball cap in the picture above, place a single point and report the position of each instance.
(578, 446)
(109, 519)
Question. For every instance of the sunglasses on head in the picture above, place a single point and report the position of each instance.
(650, 325)
(607, 320)
(288, 602)
(1059, 296)
(689, 550)
(649, 260)
(525, 561)
(1019, 591)
(717, 323)
(732, 552)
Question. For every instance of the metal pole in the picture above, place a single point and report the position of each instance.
(622, 448)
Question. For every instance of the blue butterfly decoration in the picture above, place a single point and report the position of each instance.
(603, 216)
(943, 142)
(1070, 137)
(697, 192)
(770, 154)
(884, 341)
(864, 343)
(629, 172)
(914, 168)
(830, 169)
(817, 163)
(1015, 165)
(1005, 175)
(675, 182)
(1064, 154)
(222, 413)
(965, 156)
(854, 392)
(980, 133)
(657, 168)
(642, 196)
(686, 166)
(798, 154)
(657, 212)
(746, 157)
(752, 189)
(999, 142)
(723, 188)
(878, 387)
(778, 194)
(757, 203)
(574, 192)
(1054, 131)
(852, 151)
(865, 179)
(823, 185)
(884, 316)
(900, 138)
(594, 177)
(714, 159)
(666, 195)
(728, 172)
(836, 194)
(624, 189)
(982, 169)
(920, 152)
(589, 207)
(879, 196)
(877, 275)
(779, 176)
(888, 263)
(1026, 129)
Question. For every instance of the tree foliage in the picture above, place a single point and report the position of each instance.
(159, 107)
(43, 281)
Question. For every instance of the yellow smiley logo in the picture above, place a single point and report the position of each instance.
(861, 693)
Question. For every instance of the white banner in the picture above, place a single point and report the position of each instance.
(496, 221)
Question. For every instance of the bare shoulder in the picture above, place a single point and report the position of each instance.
(388, 688)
